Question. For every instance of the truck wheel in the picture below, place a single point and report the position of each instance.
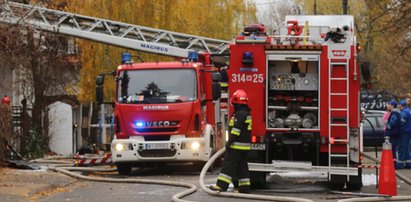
(355, 183)
(337, 182)
(198, 166)
(124, 169)
(258, 180)
(336, 185)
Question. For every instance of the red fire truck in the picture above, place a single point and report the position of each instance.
(303, 87)
(164, 112)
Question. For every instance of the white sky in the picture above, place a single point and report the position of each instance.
(263, 5)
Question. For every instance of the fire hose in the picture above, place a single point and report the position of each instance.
(240, 195)
(66, 168)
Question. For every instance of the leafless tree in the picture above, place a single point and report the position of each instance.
(43, 70)
(274, 12)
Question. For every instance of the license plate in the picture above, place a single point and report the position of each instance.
(153, 146)
(258, 146)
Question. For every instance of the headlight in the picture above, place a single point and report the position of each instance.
(195, 145)
(120, 147)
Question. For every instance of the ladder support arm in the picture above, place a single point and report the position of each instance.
(119, 34)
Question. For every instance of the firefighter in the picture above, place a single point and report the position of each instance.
(403, 150)
(235, 161)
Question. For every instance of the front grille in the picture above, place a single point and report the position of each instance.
(157, 138)
(148, 130)
(157, 153)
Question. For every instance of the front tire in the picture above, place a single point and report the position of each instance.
(124, 169)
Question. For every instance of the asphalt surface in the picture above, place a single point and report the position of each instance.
(41, 185)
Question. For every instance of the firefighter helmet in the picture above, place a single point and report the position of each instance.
(239, 97)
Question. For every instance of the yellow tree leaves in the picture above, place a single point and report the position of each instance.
(219, 19)
(383, 29)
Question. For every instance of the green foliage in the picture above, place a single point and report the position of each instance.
(36, 145)
(210, 18)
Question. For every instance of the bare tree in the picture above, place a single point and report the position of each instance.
(43, 71)
(274, 12)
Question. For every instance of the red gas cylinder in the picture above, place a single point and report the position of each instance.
(5, 100)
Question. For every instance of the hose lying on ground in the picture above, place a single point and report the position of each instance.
(66, 169)
(192, 188)
(239, 195)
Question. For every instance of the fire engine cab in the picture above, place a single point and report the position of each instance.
(164, 112)
(303, 88)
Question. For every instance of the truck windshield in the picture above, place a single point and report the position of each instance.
(157, 86)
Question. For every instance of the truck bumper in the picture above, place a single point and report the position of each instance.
(178, 148)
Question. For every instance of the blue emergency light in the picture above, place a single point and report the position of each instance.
(139, 124)
(193, 56)
(248, 58)
(126, 58)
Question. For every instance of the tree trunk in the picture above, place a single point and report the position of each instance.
(5, 130)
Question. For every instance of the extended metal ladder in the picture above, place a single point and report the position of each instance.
(338, 105)
(110, 32)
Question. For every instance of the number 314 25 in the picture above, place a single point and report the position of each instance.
(254, 78)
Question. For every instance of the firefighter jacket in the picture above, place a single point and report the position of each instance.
(240, 128)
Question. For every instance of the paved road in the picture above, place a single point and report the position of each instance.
(297, 185)
(68, 189)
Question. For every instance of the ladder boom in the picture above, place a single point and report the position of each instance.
(119, 34)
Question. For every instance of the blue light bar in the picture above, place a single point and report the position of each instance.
(126, 58)
(248, 58)
(193, 56)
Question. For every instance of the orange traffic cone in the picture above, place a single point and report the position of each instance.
(387, 181)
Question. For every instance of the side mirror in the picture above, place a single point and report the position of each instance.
(216, 91)
(100, 80)
(99, 89)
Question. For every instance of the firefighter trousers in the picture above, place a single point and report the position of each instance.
(235, 168)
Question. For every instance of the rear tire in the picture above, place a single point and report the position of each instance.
(336, 186)
(355, 183)
(258, 180)
(337, 182)
(124, 169)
